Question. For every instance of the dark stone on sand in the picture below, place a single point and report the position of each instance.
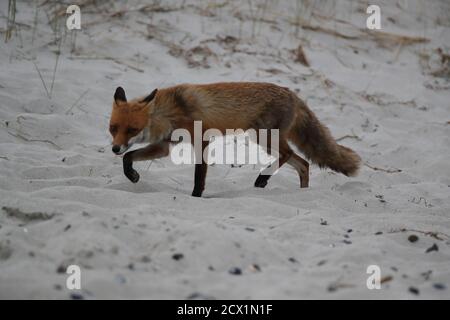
(439, 286)
(413, 238)
(434, 247)
(293, 260)
(235, 271)
(256, 267)
(199, 296)
(178, 256)
(414, 290)
(61, 269)
(76, 296)
(321, 262)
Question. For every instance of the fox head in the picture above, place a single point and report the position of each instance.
(128, 120)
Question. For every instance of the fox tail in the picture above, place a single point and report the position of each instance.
(316, 142)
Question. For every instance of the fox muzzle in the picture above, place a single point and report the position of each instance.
(120, 149)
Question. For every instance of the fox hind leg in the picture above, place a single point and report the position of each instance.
(302, 167)
(285, 153)
(265, 174)
(289, 156)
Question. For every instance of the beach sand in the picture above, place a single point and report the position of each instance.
(65, 201)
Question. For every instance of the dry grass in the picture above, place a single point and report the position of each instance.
(11, 22)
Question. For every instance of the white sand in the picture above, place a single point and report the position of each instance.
(66, 201)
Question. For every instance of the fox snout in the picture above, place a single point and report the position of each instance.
(116, 149)
(120, 148)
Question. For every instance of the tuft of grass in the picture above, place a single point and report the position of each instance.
(11, 22)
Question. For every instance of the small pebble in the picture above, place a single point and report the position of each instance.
(255, 267)
(76, 296)
(439, 286)
(293, 260)
(426, 275)
(413, 290)
(321, 262)
(235, 271)
(67, 227)
(378, 233)
(199, 296)
(413, 238)
(61, 269)
(249, 229)
(178, 256)
(434, 247)
(332, 288)
(347, 241)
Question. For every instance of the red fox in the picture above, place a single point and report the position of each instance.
(228, 105)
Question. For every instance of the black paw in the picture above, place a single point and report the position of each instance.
(197, 193)
(261, 182)
(132, 175)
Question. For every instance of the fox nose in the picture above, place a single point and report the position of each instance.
(116, 148)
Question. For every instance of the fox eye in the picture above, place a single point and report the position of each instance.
(113, 129)
(132, 131)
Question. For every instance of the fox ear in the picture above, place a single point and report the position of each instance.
(150, 97)
(119, 95)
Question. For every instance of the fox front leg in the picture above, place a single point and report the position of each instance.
(200, 171)
(150, 152)
(128, 170)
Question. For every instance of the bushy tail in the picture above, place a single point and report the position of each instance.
(316, 142)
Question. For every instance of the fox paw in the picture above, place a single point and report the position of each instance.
(197, 193)
(261, 182)
(132, 175)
